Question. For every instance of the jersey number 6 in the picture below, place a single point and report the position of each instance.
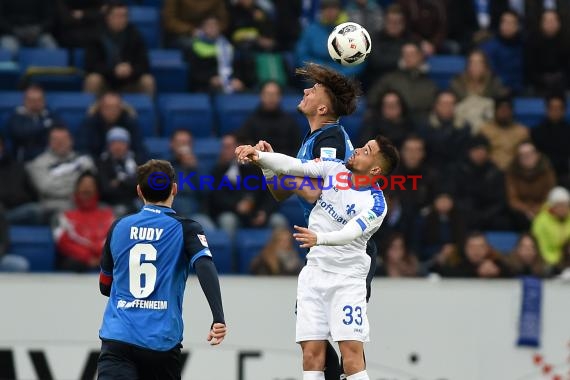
(138, 269)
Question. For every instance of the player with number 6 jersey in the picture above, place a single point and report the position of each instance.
(146, 261)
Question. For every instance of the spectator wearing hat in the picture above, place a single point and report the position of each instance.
(551, 227)
(479, 189)
(109, 111)
(528, 181)
(117, 172)
(312, 45)
(552, 135)
(55, 172)
(504, 133)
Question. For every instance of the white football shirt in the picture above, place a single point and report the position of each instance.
(343, 218)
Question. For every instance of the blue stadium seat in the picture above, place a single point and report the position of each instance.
(169, 70)
(207, 150)
(289, 103)
(6, 55)
(220, 245)
(147, 21)
(158, 147)
(249, 243)
(9, 70)
(233, 110)
(66, 79)
(442, 68)
(353, 122)
(186, 111)
(503, 241)
(146, 113)
(8, 101)
(35, 244)
(529, 111)
(71, 107)
(292, 210)
(78, 58)
(42, 57)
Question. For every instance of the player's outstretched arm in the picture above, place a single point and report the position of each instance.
(208, 277)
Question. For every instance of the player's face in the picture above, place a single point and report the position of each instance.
(365, 160)
(315, 101)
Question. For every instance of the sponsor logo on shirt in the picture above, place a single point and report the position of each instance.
(203, 240)
(328, 153)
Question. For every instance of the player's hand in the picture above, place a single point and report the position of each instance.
(264, 146)
(305, 236)
(246, 153)
(217, 334)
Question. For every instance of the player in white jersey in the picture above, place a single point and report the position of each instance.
(331, 292)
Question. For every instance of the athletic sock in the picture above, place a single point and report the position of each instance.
(362, 375)
(313, 375)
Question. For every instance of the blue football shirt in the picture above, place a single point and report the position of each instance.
(148, 255)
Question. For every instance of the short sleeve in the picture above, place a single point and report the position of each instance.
(195, 242)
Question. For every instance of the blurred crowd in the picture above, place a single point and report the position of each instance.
(481, 169)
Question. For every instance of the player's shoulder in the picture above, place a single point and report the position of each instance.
(187, 223)
(379, 205)
(122, 221)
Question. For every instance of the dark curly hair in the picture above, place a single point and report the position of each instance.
(342, 91)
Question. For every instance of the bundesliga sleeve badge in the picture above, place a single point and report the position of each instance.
(203, 240)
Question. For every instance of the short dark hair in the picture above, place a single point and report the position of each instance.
(389, 154)
(555, 95)
(342, 91)
(88, 174)
(161, 186)
(113, 4)
(395, 9)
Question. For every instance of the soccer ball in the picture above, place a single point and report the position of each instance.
(349, 44)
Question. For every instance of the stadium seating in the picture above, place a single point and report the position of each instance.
(442, 68)
(292, 210)
(146, 113)
(169, 70)
(158, 147)
(8, 101)
(249, 243)
(207, 151)
(147, 21)
(503, 241)
(232, 110)
(9, 70)
(353, 122)
(220, 245)
(35, 244)
(186, 111)
(71, 107)
(78, 58)
(50, 68)
(529, 111)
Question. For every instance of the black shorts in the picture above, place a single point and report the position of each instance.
(122, 361)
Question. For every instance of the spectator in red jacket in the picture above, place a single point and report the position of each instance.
(80, 233)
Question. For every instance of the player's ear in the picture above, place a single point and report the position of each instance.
(139, 193)
(322, 109)
(174, 190)
(376, 171)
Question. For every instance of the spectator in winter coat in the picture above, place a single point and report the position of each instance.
(54, 172)
(551, 227)
(28, 126)
(80, 233)
(505, 52)
(118, 59)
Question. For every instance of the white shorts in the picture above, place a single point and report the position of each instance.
(330, 305)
